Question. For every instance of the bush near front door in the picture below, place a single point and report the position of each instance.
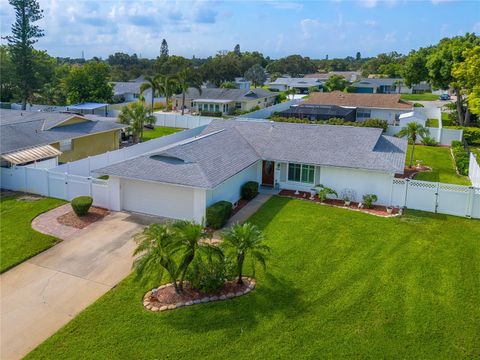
(218, 214)
(249, 190)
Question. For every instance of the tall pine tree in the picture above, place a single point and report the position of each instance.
(24, 35)
(164, 49)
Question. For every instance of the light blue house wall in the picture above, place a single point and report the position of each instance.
(229, 190)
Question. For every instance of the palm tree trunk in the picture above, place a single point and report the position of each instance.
(184, 271)
(183, 101)
(411, 155)
(240, 259)
(153, 93)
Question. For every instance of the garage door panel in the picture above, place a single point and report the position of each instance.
(157, 199)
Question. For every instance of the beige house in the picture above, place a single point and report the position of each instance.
(225, 101)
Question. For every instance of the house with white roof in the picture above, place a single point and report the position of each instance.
(302, 85)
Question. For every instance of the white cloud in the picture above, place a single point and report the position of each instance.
(368, 3)
(287, 5)
(309, 27)
(390, 37)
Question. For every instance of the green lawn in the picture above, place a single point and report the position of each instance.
(432, 123)
(159, 131)
(441, 162)
(18, 241)
(339, 284)
(419, 97)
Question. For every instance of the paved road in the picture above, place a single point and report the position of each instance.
(42, 294)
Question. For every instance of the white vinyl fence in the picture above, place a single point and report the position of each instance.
(266, 112)
(441, 135)
(85, 167)
(474, 170)
(436, 197)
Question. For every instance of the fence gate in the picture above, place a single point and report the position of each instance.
(422, 195)
(454, 200)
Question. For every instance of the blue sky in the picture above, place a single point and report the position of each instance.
(277, 28)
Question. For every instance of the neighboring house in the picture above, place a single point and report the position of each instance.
(301, 84)
(387, 107)
(412, 116)
(180, 181)
(242, 83)
(389, 86)
(319, 112)
(128, 91)
(350, 76)
(32, 137)
(225, 101)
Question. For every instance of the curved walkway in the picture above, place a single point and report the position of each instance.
(42, 294)
(47, 223)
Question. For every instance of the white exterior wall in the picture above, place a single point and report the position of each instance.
(383, 114)
(44, 164)
(361, 181)
(229, 190)
(176, 202)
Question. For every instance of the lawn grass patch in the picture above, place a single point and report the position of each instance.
(441, 162)
(18, 241)
(158, 131)
(339, 284)
(433, 123)
(419, 97)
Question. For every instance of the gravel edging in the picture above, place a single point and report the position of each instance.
(148, 304)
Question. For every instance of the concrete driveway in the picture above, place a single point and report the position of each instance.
(42, 294)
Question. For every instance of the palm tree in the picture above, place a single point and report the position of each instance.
(243, 240)
(188, 79)
(136, 115)
(152, 84)
(166, 86)
(411, 132)
(157, 247)
(189, 236)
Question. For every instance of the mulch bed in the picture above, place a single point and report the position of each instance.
(166, 298)
(239, 205)
(71, 219)
(378, 210)
(411, 172)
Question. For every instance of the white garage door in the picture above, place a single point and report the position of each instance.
(158, 199)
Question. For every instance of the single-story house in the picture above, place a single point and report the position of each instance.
(387, 107)
(128, 91)
(412, 116)
(389, 86)
(319, 112)
(180, 181)
(29, 137)
(89, 108)
(225, 101)
(350, 76)
(301, 84)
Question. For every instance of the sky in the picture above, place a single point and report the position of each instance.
(336, 28)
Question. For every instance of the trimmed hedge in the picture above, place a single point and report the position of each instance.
(218, 214)
(461, 157)
(249, 190)
(81, 205)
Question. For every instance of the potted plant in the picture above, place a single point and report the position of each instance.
(389, 209)
(348, 195)
(369, 200)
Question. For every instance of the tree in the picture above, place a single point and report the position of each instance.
(467, 74)
(89, 83)
(256, 74)
(24, 35)
(245, 240)
(228, 85)
(443, 59)
(236, 50)
(358, 57)
(187, 78)
(167, 85)
(294, 65)
(412, 131)
(415, 69)
(164, 49)
(136, 115)
(8, 85)
(151, 83)
(336, 82)
(157, 247)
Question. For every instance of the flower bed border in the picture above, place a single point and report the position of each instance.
(147, 303)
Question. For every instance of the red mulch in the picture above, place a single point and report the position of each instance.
(71, 219)
(376, 210)
(168, 296)
(240, 204)
(411, 172)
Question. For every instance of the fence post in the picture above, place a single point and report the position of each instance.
(407, 181)
(471, 199)
(436, 196)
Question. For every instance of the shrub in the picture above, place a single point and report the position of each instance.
(218, 214)
(461, 157)
(211, 113)
(429, 141)
(417, 105)
(249, 190)
(207, 272)
(369, 200)
(324, 191)
(81, 205)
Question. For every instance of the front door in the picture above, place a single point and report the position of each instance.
(268, 168)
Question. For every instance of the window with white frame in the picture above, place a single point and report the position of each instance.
(66, 145)
(301, 173)
(364, 113)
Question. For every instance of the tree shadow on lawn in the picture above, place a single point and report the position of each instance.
(273, 295)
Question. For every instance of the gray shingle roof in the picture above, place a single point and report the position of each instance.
(300, 82)
(228, 146)
(24, 129)
(228, 94)
(130, 87)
